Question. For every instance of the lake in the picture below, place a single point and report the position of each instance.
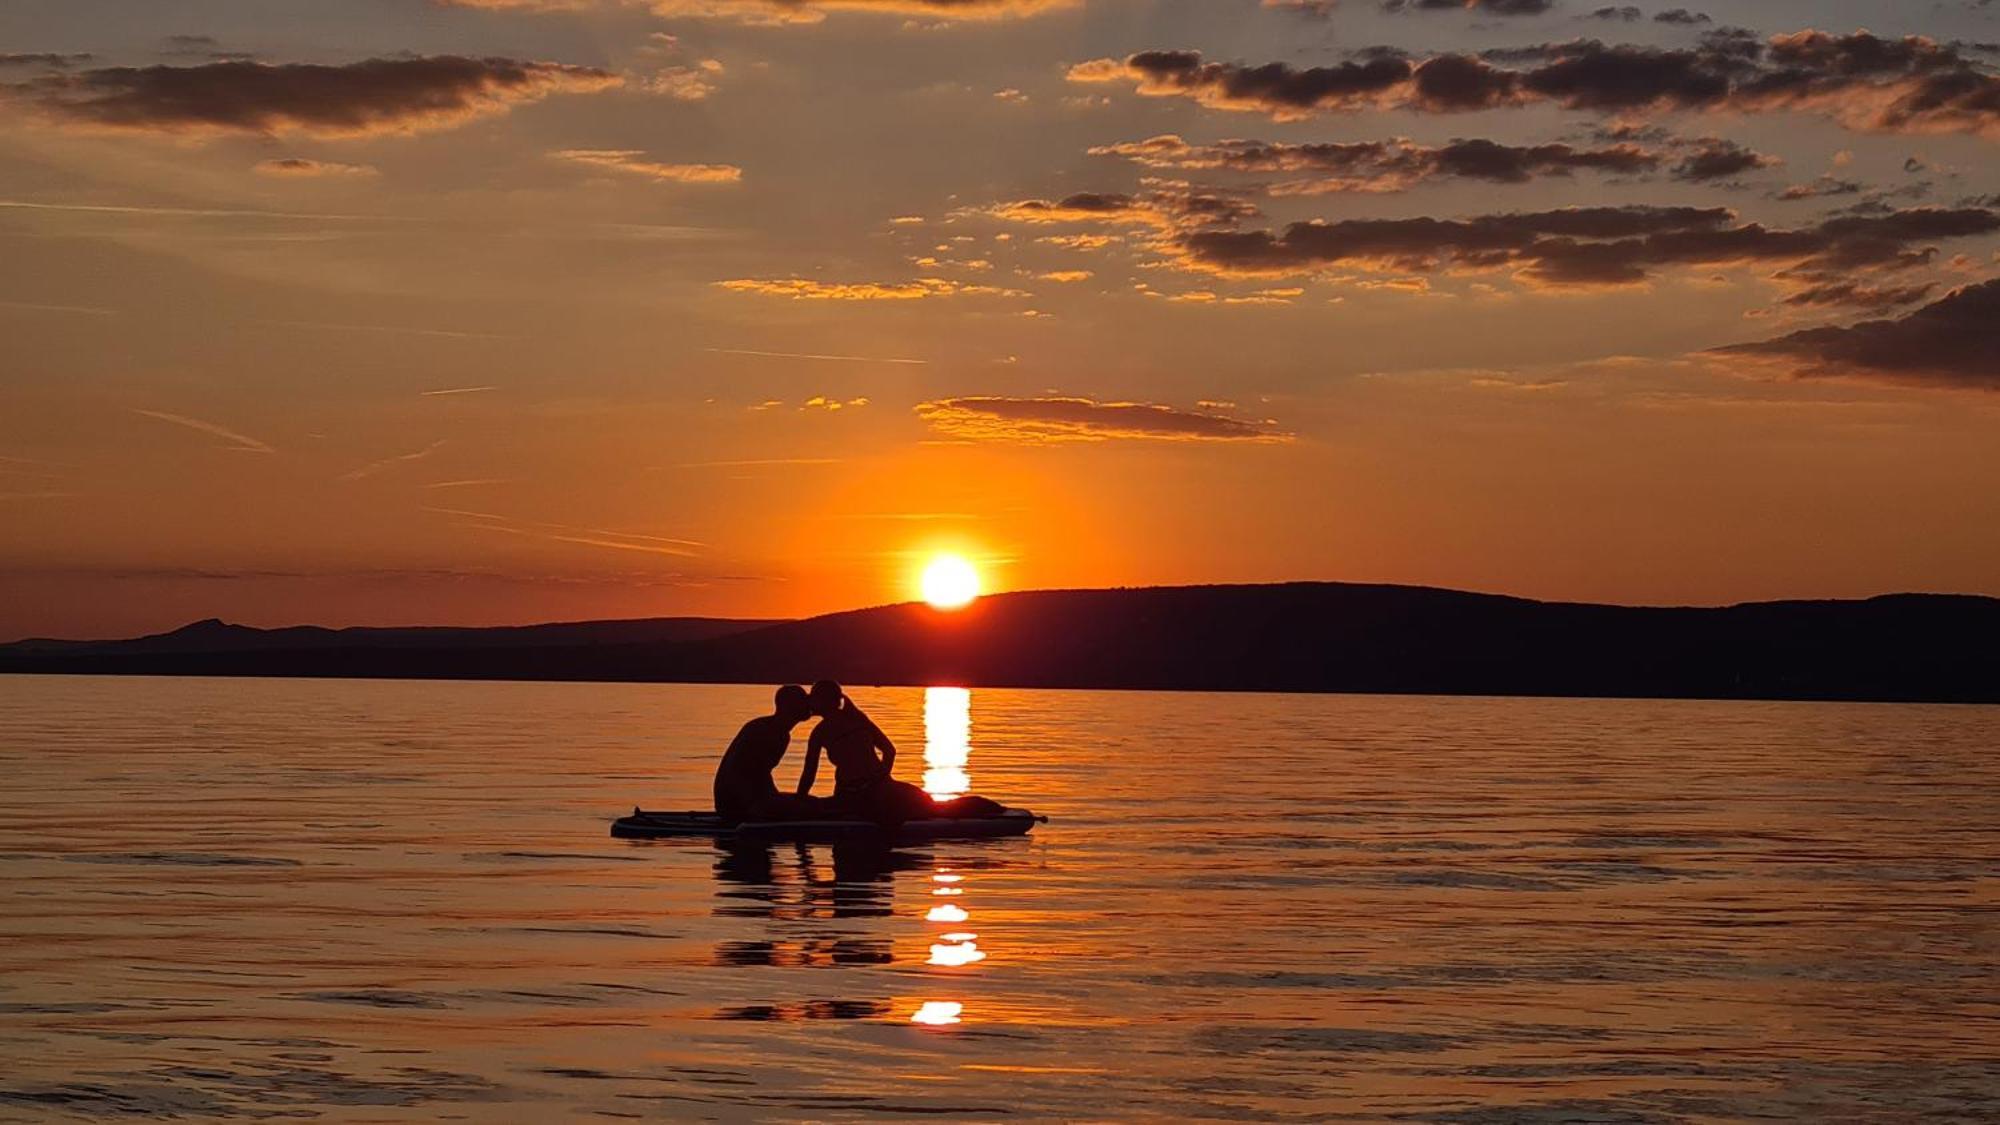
(367, 901)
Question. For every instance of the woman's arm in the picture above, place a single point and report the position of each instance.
(883, 744)
(810, 770)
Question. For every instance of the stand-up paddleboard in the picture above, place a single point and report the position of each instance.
(643, 825)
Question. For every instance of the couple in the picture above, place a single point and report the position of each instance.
(862, 758)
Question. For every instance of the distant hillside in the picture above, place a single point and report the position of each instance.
(213, 636)
(1302, 637)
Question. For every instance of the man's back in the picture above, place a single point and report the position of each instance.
(744, 776)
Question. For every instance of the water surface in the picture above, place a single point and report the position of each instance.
(364, 901)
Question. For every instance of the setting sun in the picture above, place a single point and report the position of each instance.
(949, 582)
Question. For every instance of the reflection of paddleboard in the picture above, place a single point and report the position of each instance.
(643, 825)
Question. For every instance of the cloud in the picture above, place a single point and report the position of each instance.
(805, 289)
(1383, 166)
(685, 83)
(1482, 7)
(1279, 89)
(1589, 245)
(632, 162)
(1823, 186)
(818, 356)
(48, 60)
(1052, 419)
(1717, 159)
(1164, 209)
(238, 442)
(567, 533)
(790, 13)
(1913, 84)
(375, 467)
(1325, 8)
(302, 168)
(1952, 342)
(377, 96)
(1855, 295)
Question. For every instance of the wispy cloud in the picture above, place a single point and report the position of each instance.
(192, 212)
(806, 289)
(568, 533)
(757, 462)
(1053, 419)
(236, 440)
(791, 13)
(473, 483)
(388, 329)
(372, 468)
(298, 167)
(816, 356)
(909, 517)
(633, 162)
(78, 310)
(456, 391)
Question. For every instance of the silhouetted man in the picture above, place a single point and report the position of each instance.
(744, 788)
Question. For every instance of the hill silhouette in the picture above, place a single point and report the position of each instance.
(1294, 637)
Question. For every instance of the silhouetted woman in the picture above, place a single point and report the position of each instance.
(862, 758)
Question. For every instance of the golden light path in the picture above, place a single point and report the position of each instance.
(947, 751)
(947, 741)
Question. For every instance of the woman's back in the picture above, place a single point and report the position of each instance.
(848, 737)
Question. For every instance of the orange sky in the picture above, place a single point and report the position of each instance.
(519, 310)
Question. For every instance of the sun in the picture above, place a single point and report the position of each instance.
(949, 582)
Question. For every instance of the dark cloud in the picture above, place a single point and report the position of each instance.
(1912, 84)
(1715, 159)
(1589, 245)
(1054, 418)
(1164, 208)
(1824, 186)
(1683, 17)
(403, 95)
(1627, 14)
(1276, 88)
(45, 59)
(1484, 7)
(1380, 166)
(1849, 294)
(1953, 342)
(788, 13)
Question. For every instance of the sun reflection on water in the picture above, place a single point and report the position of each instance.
(947, 741)
(951, 955)
(938, 1013)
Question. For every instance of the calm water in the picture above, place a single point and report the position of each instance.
(394, 901)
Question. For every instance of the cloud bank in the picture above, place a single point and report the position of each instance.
(1952, 342)
(376, 96)
(1909, 85)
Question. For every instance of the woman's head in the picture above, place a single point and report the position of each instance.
(827, 698)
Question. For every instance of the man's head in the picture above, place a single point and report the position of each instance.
(794, 705)
(826, 697)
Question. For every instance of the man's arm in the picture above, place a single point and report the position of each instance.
(810, 770)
